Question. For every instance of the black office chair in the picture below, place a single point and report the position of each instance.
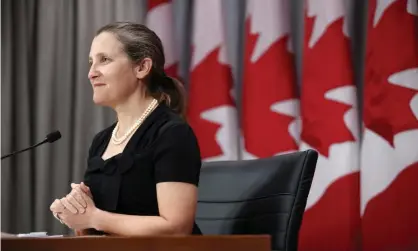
(262, 196)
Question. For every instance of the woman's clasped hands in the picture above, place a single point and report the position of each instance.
(75, 210)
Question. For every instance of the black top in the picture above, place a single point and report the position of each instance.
(164, 148)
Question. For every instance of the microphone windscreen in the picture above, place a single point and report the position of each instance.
(53, 136)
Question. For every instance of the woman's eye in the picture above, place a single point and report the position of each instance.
(105, 59)
(102, 59)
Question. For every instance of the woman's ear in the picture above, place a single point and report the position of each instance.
(143, 69)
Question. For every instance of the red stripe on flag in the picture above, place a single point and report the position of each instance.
(154, 3)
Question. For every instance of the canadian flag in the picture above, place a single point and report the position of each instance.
(160, 19)
(330, 125)
(211, 111)
(270, 106)
(389, 163)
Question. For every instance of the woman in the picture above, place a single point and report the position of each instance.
(143, 171)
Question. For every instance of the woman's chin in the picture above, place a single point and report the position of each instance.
(100, 101)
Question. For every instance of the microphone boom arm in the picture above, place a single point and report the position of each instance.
(52, 137)
(23, 150)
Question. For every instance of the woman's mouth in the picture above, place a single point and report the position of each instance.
(98, 84)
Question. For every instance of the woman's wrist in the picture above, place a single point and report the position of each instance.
(95, 219)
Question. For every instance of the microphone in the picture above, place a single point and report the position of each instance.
(50, 138)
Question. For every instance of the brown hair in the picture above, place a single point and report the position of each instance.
(140, 42)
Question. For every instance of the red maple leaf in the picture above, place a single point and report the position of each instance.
(326, 66)
(268, 80)
(210, 85)
(392, 48)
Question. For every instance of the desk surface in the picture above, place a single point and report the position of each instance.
(157, 243)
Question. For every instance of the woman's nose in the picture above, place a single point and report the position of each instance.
(93, 73)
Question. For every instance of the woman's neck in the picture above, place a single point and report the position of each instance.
(129, 112)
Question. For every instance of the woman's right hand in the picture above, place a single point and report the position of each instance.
(74, 200)
(83, 188)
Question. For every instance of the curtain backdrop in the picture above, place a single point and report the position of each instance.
(45, 47)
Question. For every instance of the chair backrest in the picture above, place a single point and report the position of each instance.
(261, 196)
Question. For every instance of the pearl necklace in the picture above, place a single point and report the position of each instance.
(138, 122)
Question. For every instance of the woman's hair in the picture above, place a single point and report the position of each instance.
(140, 42)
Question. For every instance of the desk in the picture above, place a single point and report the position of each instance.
(157, 243)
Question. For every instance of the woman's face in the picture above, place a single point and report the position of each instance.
(112, 74)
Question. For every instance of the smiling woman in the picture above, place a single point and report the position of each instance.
(143, 171)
